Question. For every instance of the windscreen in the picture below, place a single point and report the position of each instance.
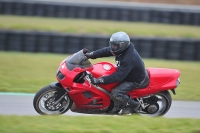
(78, 60)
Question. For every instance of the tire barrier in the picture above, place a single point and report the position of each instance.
(52, 42)
(101, 12)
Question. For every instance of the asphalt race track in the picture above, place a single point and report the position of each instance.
(22, 104)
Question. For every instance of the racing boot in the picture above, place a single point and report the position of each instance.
(131, 107)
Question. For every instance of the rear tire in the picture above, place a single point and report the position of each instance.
(164, 103)
(44, 99)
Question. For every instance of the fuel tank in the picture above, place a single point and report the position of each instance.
(104, 69)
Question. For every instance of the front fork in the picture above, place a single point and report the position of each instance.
(61, 92)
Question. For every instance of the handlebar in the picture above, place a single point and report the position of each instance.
(90, 76)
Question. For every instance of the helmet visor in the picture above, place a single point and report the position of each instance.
(116, 46)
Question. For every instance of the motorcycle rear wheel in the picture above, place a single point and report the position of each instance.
(164, 103)
(44, 100)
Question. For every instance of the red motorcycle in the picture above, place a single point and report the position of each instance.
(75, 91)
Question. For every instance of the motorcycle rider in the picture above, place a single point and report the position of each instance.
(130, 71)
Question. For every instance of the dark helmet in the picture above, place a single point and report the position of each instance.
(119, 42)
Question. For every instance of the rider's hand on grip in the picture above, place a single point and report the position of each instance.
(85, 50)
(95, 81)
(89, 55)
(92, 79)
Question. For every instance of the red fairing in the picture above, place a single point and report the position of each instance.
(163, 76)
(67, 82)
(84, 94)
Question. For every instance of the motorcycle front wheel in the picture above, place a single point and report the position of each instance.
(44, 100)
(160, 107)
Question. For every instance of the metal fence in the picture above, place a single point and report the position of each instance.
(101, 12)
(35, 41)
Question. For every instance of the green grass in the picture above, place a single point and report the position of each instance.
(28, 72)
(96, 124)
(83, 26)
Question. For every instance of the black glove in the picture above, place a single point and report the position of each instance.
(96, 81)
(89, 55)
(85, 50)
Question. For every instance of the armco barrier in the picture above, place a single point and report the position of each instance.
(185, 16)
(36, 41)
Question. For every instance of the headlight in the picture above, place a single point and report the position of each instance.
(60, 75)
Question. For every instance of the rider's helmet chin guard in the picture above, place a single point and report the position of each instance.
(119, 42)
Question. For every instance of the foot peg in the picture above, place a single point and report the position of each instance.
(129, 109)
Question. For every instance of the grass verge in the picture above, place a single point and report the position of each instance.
(97, 26)
(28, 72)
(96, 124)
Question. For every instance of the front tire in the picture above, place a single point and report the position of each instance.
(44, 100)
